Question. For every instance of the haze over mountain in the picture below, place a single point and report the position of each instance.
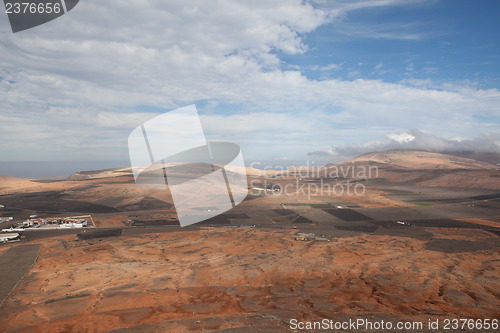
(416, 139)
(115, 189)
(424, 168)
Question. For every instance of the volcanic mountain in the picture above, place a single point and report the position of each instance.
(419, 160)
(425, 169)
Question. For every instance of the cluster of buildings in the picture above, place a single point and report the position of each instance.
(34, 222)
(61, 222)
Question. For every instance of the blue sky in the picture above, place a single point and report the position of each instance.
(439, 40)
(283, 79)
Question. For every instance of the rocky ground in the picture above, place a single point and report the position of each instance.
(419, 244)
(258, 279)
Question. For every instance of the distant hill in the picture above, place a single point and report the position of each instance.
(118, 172)
(419, 160)
(427, 169)
(8, 183)
(5, 180)
(492, 158)
(97, 174)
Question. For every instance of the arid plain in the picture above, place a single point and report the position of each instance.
(420, 242)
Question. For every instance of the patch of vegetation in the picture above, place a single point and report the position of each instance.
(423, 203)
(66, 297)
(320, 205)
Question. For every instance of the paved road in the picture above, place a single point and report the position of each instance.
(14, 264)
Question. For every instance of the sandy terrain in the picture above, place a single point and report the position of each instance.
(221, 278)
(306, 255)
(7, 183)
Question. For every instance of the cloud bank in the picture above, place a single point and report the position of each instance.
(415, 139)
(74, 88)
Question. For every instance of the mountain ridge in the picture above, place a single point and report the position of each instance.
(414, 159)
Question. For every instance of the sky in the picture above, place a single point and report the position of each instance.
(286, 80)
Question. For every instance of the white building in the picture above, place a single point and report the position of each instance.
(6, 238)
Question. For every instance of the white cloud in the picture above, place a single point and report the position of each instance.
(353, 74)
(80, 82)
(401, 138)
(415, 139)
(325, 68)
(378, 70)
